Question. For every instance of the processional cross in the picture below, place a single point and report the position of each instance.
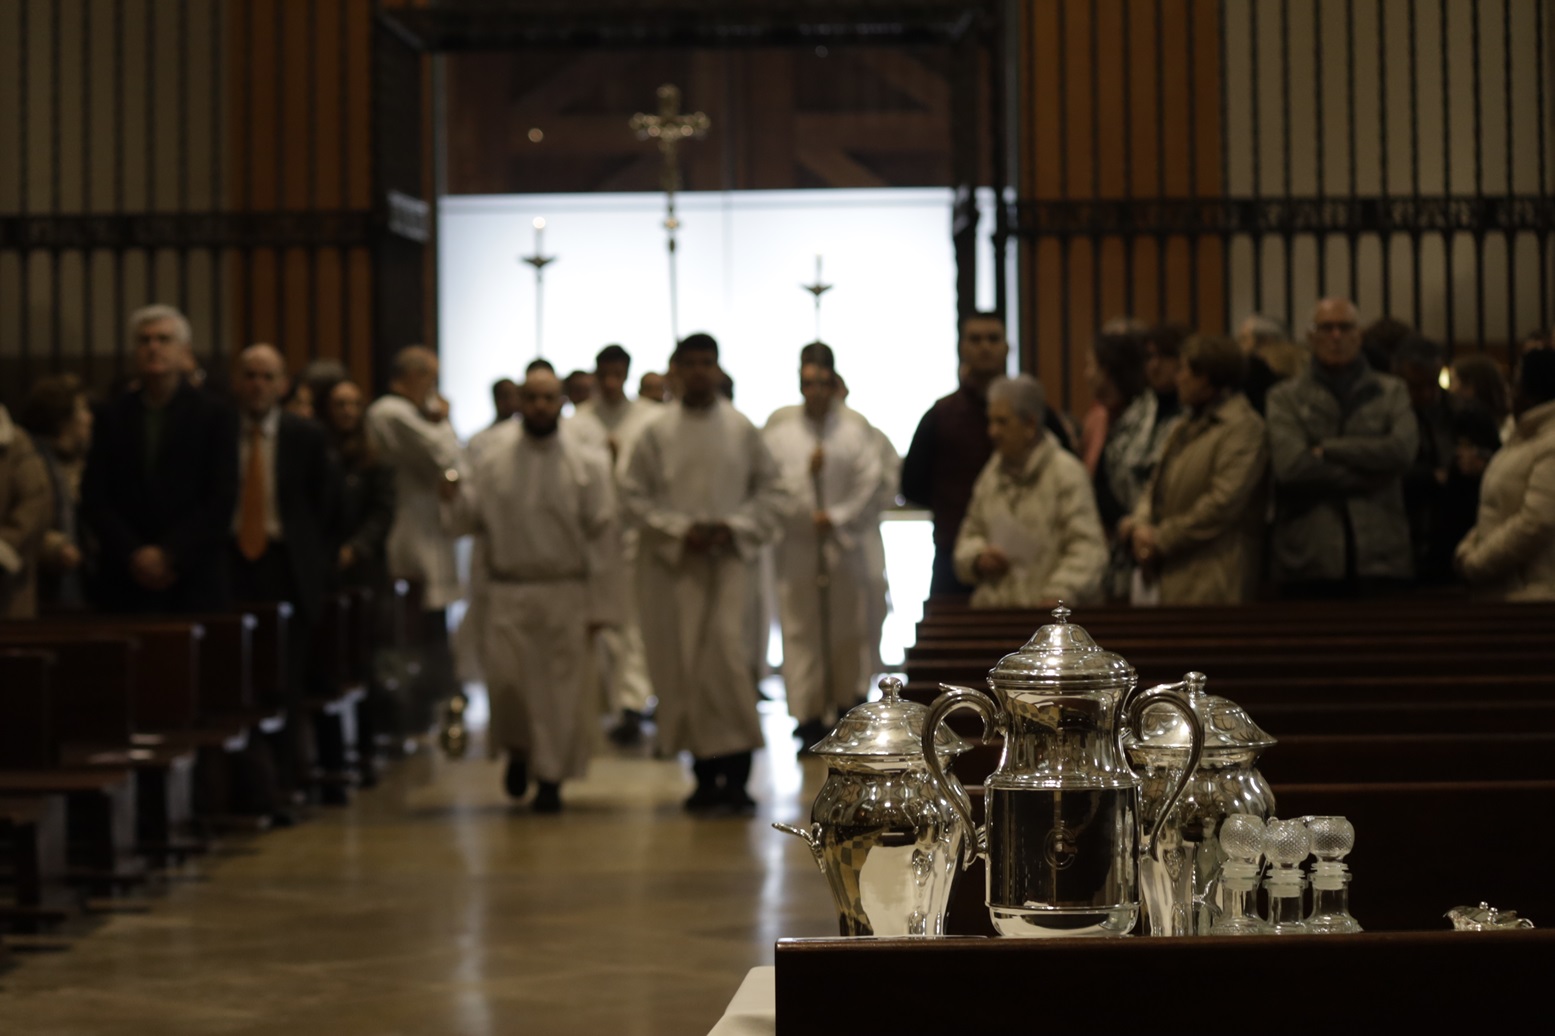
(818, 289)
(668, 128)
(539, 261)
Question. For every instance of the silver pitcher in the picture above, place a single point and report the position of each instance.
(882, 832)
(1064, 830)
(1179, 880)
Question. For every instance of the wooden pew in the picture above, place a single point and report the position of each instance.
(1429, 981)
(1421, 848)
(84, 699)
(32, 828)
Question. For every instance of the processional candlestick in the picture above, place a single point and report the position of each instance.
(822, 565)
(817, 289)
(539, 261)
(668, 128)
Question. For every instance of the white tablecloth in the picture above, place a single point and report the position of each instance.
(753, 1011)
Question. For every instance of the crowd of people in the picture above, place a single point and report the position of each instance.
(619, 543)
(1212, 470)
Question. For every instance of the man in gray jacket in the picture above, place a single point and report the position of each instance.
(1341, 437)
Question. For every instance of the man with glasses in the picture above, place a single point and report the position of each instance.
(1341, 437)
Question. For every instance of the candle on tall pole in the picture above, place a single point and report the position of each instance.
(819, 288)
(668, 128)
(539, 261)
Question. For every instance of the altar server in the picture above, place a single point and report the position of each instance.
(830, 465)
(543, 508)
(620, 420)
(705, 494)
(410, 432)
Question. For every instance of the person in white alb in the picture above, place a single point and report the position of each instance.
(410, 431)
(831, 475)
(705, 495)
(620, 421)
(544, 511)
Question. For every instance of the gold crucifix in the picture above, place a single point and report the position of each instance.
(668, 128)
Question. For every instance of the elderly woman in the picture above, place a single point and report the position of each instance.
(1031, 535)
(1197, 526)
(1510, 552)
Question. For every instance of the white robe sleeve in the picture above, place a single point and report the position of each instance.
(602, 544)
(422, 447)
(758, 519)
(644, 497)
(849, 514)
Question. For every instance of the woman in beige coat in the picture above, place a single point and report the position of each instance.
(1032, 535)
(1510, 552)
(1197, 528)
(26, 509)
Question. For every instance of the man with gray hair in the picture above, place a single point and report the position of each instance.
(1341, 437)
(161, 480)
(1032, 535)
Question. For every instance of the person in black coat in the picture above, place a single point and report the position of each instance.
(365, 513)
(287, 487)
(161, 480)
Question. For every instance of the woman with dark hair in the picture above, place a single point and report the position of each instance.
(1477, 378)
(1137, 430)
(59, 418)
(365, 510)
(1196, 529)
(1510, 552)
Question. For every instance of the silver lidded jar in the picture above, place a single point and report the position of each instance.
(1181, 895)
(888, 842)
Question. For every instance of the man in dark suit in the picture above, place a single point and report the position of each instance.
(286, 487)
(279, 544)
(161, 480)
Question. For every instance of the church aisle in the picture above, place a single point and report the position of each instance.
(432, 906)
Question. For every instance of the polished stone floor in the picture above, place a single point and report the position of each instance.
(431, 905)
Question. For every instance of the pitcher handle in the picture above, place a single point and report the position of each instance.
(958, 698)
(1176, 696)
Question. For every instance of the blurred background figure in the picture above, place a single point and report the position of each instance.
(1380, 341)
(26, 512)
(1272, 356)
(951, 444)
(653, 388)
(579, 387)
(1457, 437)
(1477, 378)
(1510, 552)
(365, 511)
(59, 417)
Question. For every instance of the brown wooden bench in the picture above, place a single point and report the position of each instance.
(1427, 981)
(32, 828)
(85, 694)
(1421, 848)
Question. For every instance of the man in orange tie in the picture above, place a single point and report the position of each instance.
(286, 487)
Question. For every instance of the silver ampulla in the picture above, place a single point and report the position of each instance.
(1064, 830)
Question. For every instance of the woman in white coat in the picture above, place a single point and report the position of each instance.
(1032, 535)
(1510, 552)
